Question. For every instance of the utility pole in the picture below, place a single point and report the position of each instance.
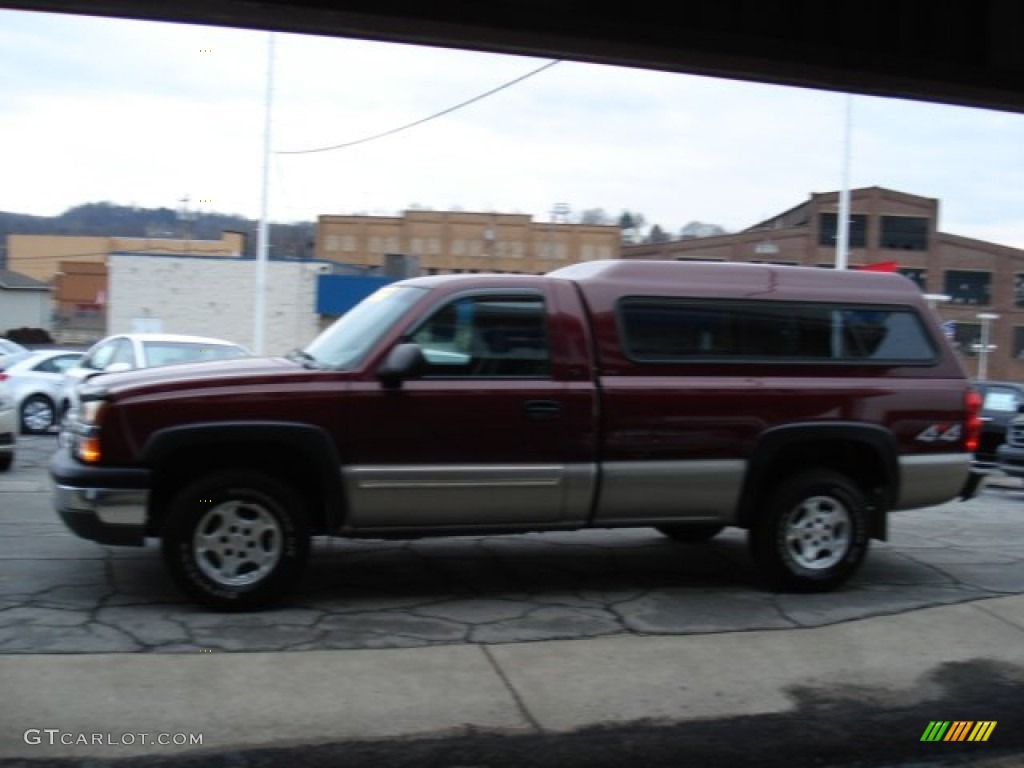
(262, 246)
(843, 224)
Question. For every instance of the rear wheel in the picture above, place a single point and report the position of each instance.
(235, 540)
(691, 534)
(814, 533)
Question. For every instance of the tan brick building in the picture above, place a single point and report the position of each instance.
(972, 277)
(76, 267)
(456, 241)
(40, 256)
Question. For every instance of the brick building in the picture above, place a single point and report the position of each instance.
(888, 228)
(76, 267)
(459, 241)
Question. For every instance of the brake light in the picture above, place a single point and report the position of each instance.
(3, 376)
(972, 420)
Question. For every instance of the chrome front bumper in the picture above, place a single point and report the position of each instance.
(104, 515)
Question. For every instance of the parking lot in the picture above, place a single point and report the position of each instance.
(61, 594)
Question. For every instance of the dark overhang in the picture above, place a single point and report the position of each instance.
(965, 52)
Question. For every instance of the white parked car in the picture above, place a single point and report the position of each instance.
(36, 382)
(10, 350)
(125, 351)
(8, 428)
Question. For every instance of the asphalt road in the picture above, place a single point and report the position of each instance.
(61, 597)
(62, 594)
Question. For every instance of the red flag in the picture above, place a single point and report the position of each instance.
(881, 266)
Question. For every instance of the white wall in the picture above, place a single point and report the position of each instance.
(214, 297)
(24, 309)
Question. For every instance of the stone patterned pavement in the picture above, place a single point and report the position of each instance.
(61, 594)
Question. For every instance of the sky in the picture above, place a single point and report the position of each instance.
(147, 114)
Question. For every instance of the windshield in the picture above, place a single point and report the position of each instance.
(170, 352)
(353, 334)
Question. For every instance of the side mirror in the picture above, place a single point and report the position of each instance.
(405, 361)
(117, 367)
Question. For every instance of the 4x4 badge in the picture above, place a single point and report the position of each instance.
(940, 433)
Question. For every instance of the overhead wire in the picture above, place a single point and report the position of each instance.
(427, 119)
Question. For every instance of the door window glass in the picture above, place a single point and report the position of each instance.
(486, 336)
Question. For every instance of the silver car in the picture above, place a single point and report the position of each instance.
(36, 383)
(11, 351)
(8, 427)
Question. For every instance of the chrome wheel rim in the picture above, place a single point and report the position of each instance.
(817, 533)
(37, 415)
(237, 543)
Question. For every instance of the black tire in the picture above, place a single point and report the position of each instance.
(243, 509)
(693, 533)
(6, 461)
(813, 535)
(37, 415)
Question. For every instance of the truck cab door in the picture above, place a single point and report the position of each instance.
(487, 434)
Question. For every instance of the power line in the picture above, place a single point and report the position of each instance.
(436, 115)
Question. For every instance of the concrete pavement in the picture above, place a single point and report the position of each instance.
(249, 700)
(946, 594)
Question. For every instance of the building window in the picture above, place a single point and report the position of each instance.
(918, 276)
(965, 287)
(348, 244)
(1018, 342)
(967, 338)
(332, 243)
(1018, 289)
(828, 230)
(904, 233)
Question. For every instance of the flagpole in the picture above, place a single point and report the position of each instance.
(843, 225)
(262, 244)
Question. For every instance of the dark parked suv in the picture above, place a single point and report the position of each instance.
(1000, 403)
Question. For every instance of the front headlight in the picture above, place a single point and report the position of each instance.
(89, 412)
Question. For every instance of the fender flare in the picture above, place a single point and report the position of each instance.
(776, 440)
(311, 442)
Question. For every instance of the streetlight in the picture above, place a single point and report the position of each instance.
(984, 347)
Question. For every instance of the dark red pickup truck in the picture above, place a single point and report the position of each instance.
(800, 404)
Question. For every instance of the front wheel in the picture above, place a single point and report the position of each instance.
(38, 414)
(813, 535)
(235, 540)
